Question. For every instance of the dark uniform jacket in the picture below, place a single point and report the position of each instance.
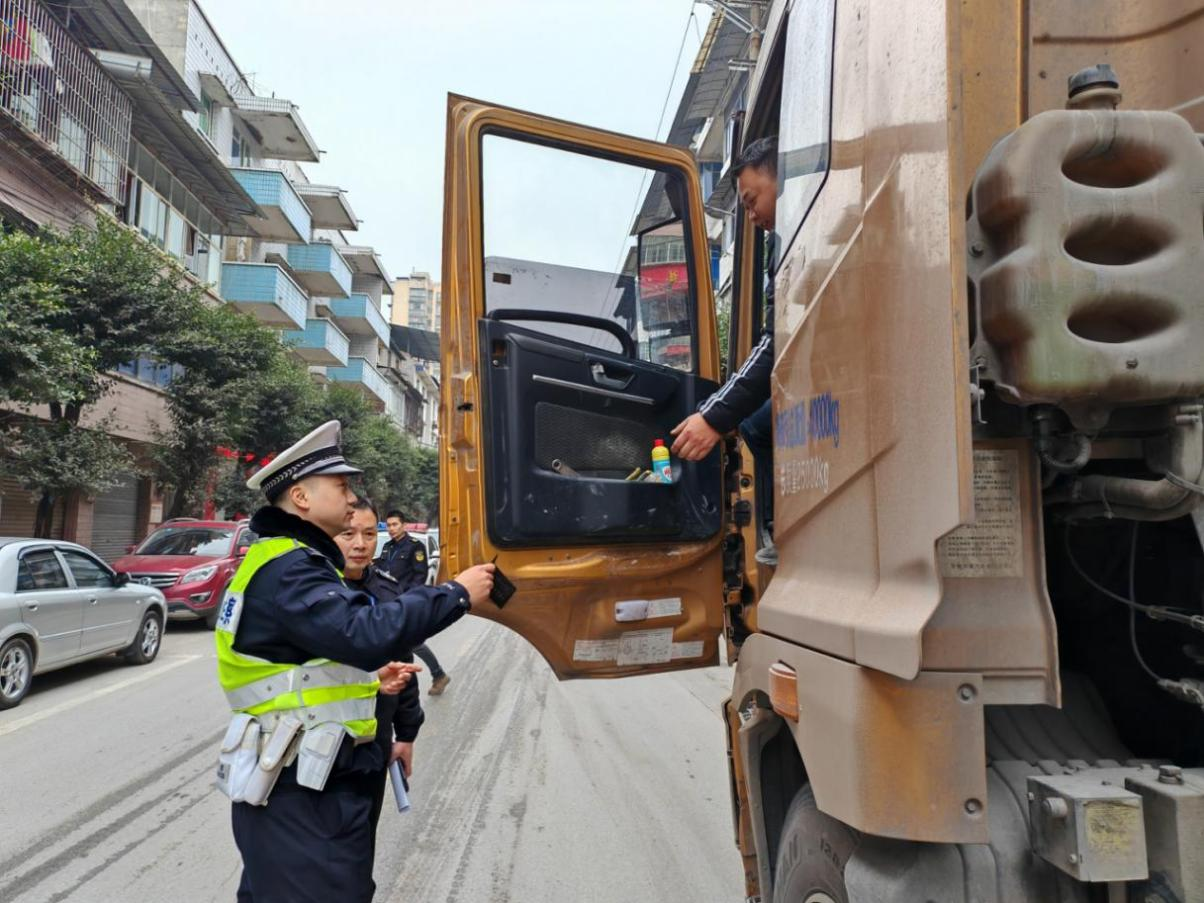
(298, 608)
(406, 560)
(399, 714)
(748, 388)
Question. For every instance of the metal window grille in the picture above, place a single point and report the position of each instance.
(56, 91)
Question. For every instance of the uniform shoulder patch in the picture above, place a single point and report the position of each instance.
(420, 555)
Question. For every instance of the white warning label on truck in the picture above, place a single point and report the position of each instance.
(693, 649)
(646, 647)
(642, 609)
(993, 545)
(595, 650)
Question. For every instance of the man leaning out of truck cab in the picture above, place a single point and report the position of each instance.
(744, 399)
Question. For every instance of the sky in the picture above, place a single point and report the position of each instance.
(371, 78)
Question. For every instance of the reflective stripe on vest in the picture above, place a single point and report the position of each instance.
(318, 691)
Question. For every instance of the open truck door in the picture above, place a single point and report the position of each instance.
(578, 327)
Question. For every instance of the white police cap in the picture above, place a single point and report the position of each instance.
(318, 454)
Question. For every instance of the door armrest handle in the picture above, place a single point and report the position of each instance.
(602, 378)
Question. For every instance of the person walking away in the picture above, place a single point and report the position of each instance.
(298, 655)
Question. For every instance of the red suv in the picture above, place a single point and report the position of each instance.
(191, 561)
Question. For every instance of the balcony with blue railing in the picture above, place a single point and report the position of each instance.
(359, 315)
(265, 291)
(362, 374)
(320, 343)
(286, 217)
(320, 269)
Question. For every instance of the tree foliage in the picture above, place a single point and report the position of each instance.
(84, 303)
(75, 307)
(723, 319)
(37, 360)
(212, 403)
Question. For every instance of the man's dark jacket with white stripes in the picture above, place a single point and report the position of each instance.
(748, 388)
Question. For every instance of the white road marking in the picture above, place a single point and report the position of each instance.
(89, 697)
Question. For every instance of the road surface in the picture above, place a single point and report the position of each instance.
(525, 789)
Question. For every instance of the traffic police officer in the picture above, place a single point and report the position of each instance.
(403, 556)
(398, 715)
(298, 654)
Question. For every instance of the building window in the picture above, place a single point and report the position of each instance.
(176, 225)
(205, 116)
(708, 174)
(152, 216)
(240, 150)
(152, 372)
(213, 274)
(174, 241)
(129, 214)
(663, 249)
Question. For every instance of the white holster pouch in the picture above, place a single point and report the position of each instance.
(272, 759)
(317, 753)
(251, 760)
(238, 757)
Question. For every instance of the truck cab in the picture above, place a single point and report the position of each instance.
(975, 672)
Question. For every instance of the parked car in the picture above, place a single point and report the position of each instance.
(60, 604)
(192, 562)
(430, 542)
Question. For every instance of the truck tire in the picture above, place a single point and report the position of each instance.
(812, 854)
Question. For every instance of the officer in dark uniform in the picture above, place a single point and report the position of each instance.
(403, 556)
(399, 716)
(304, 844)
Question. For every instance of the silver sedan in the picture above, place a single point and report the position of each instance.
(60, 604)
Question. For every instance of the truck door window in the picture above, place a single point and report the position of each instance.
(806, 115)
(567, 232)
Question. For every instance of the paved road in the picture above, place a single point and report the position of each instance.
(525, 789)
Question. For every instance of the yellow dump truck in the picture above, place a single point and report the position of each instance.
(976, 672)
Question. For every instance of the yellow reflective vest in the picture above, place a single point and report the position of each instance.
(320, 691)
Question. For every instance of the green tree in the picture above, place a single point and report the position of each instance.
(723, 317)
(278, 405)
(426, 484)
(393, 464)
(37, 360)
(106, 291)
(212, 404)
(396, 473)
